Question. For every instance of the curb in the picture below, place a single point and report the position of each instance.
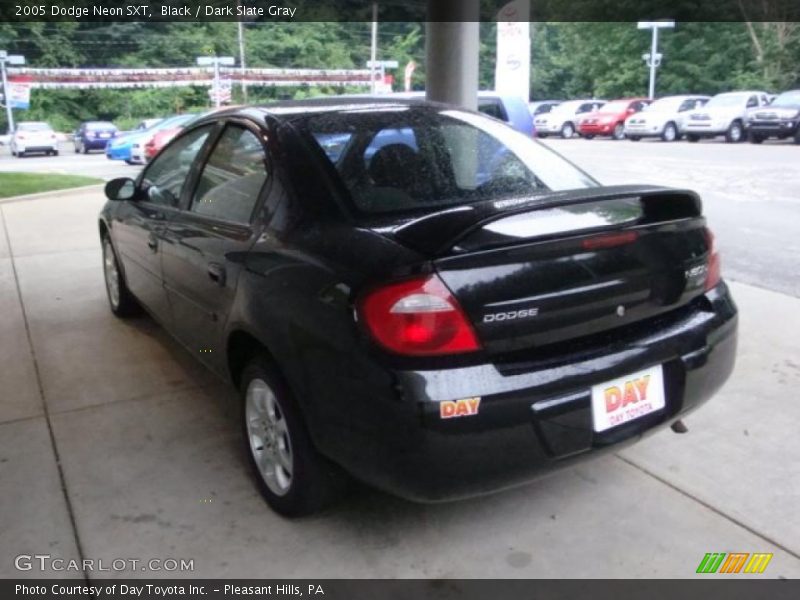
(51, 193)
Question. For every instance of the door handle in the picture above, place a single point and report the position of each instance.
(152, 242)
(216, 272)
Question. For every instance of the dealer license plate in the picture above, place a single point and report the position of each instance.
(628, 398)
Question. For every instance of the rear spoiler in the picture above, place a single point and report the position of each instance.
(439, 231)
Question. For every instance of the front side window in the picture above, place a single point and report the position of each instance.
(416, 160)
(164, 178)
(231, 181)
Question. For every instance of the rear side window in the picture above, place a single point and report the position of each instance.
(493, 108)
(231, 181)
(166, 175)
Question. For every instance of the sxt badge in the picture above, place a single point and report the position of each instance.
(465, 407)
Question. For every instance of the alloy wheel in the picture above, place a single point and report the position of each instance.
(268, 437)
(111, 274)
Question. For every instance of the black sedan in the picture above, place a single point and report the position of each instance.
(418, 295)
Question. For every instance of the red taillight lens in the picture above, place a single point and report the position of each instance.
(714, 275)
(417, 317)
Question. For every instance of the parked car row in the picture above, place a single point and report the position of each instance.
(736, 116)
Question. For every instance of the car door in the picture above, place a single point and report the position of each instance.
(208, 239)
(140, 225)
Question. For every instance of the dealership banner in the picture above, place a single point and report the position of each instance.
(513, 64)
(190, 76)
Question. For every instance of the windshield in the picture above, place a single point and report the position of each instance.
(34, 127)
(400, 159)
(666, 104)
(727, 100)
(788, 99)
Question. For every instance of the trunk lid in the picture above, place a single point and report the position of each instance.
(536, 271)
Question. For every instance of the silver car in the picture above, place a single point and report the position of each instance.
(664, 118)
(33, 136)
(724, 115)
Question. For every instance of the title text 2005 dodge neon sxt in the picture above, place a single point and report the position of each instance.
(418, 295)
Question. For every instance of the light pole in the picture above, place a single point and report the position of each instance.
(216, 61)
(12, 59)
(653, 59)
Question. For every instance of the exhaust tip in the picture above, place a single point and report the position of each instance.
(679, 427)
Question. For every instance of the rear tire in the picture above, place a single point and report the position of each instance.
(567, 130)
(619, 132)
(120, 299)
(735, 133)
(670, 133)
(588, 136)
(293, 477)
(85, 150)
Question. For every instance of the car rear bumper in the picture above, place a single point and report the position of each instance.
(533, 417)
(96, 144)
(37, 148)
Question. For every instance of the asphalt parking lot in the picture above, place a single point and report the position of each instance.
(114, 443)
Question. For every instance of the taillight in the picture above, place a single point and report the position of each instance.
(713, 275)
(417, 317)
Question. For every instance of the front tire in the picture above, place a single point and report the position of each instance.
(735, 133)
(634, 138)
(120, 299)
(619, 132)
(567, 130)
(588, 136)
(670, 133)
(293, 477)
(692, 138)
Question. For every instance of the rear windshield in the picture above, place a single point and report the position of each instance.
(403, 159)
(34, 127)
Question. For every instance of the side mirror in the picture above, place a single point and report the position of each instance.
(122, 188)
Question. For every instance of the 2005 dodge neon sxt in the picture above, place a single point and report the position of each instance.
(418, 295)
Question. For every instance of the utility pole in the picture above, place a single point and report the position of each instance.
(653, 59)
(216, 61)
(11, 59)
(240, 28)
(374, 47)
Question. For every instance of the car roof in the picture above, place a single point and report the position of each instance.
(287, 109)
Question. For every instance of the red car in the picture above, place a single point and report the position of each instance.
(610, 119)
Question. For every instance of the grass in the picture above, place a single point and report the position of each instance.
(17, 184)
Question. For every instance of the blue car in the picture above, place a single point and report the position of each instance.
(93, 135)
(121, 148)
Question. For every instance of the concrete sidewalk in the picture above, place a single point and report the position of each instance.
(114, 443)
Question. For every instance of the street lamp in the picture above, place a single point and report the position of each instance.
(12, 59)
(653, 59)
(216, 61)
